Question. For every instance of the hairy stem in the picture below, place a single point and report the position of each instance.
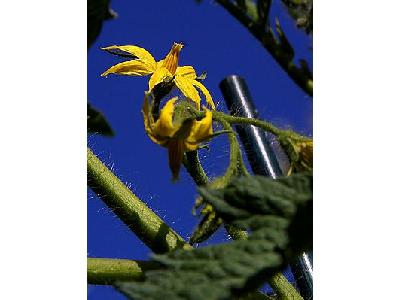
(235, 158)
(256, 122)
(149, 227)
(195, 169)
(223, 117)
(106, 271)
(267, 40)
(261, 124)
(283, 288)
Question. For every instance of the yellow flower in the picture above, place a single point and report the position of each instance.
(176, 129)
(143, 63)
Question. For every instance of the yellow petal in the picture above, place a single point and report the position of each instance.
(158, 76)
(200, 131)
(160, 63)
(187, 88)
(171, 60)
(147, 117)
(164, 126)
(205, 92)
(149, 122)
(130, 67)
(191, 146)
(141, 53)
(186, 71)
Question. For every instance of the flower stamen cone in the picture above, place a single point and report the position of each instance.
(171, 60)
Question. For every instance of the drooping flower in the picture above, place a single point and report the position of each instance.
(142, 63)
(176, 129)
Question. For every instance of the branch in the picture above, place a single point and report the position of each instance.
(267, 39)
(242, 120)
(277, 281)
(154, 232)
(236, 164)
(261, 124)
(283, 288)
(194, 168)
(106, 271)
(218, 116)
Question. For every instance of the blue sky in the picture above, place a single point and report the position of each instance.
(214, 42)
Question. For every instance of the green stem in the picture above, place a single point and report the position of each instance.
(235, 158)
(283, 288)
(268, 41)
(195, 169)
(106, 271)
(218, 116)
(261, 124)
(154, 232)
(235, 233)
(256, 122)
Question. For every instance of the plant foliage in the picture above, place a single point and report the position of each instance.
(96, 123)
(97, 12)
(302, 12)
(278, 213)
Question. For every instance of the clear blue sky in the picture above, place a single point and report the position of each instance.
(214, 42)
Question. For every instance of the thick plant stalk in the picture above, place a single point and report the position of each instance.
(149, 227)
(106, 271)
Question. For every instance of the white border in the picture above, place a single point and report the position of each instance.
(356, 118)
(43, 150)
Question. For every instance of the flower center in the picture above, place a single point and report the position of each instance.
(171, 60)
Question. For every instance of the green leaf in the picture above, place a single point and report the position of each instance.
(286, 47)
(302, 12)
(208, 225)
(241, 4)
(251, 9)
(248, 7)
(279, 214)
(96, 123)
(263, 7)
(97, 12)
(305, 68)
(249, 202)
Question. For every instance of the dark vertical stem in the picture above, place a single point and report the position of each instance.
(262, 159)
